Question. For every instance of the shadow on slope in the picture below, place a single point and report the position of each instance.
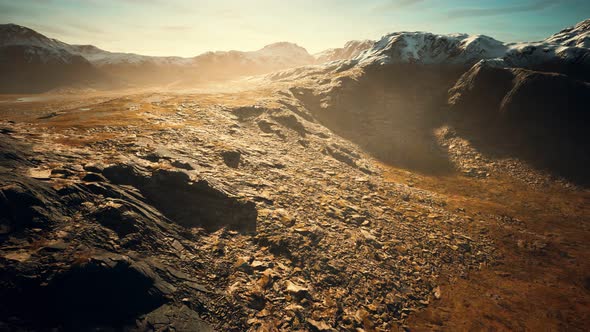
(391, 112)
(537, 117)
(30, 69)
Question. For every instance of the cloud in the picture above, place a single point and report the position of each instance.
(396, 5)
(479, 12)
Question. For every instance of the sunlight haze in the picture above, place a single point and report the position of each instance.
(188, 28)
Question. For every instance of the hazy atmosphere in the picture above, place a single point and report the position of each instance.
(278, 166)
(188, 28)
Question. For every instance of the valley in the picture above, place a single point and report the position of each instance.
(421, 182)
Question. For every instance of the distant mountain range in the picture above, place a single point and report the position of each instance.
(33, 62)
(564, 52)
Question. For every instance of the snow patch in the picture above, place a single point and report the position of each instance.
(569, 45)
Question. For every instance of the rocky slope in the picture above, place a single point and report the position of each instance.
(528, 89)
(350, 50)
(32, 69)
(246, 216)
(576, 36)
(538, 116)
(241, 212)
(564, 52)
(31, 62)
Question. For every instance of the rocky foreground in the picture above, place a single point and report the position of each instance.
(240, 211)
(422, 182)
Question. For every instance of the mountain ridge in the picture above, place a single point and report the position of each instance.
(434, 186)
(564, 52)
(135, 69)
(463, 49)
(10, 33)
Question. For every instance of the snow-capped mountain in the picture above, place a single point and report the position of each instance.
(577, 36)
(350, 50)
(140, 69)
(532, 55)
(31, 62)
(428, 48)
(287, 54)
(217, 65)
(12, 34)
(272, 57)
(570, 46)
(48, 49)
(35, 47)
(565, 52)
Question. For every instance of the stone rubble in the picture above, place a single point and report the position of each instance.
(234, 224)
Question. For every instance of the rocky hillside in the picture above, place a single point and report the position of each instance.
(557, 53)
(539, 116)
(575, 36)
(232, 214)
(530, 88)
(241, 211)
(30, 62)
(350, 50)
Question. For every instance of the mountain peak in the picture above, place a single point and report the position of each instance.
(14, 27)
(350, 50)
(576, 36)
(88, 48)
(283, 49)
(583, 26)
(14, 34)
(429, 48)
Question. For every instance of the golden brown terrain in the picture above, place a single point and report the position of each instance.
(342, 240)
(539, 281)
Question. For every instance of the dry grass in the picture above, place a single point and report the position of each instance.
(542, 280)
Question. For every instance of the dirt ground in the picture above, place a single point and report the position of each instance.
(540, 281)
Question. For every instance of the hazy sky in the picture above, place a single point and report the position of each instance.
(188, 28)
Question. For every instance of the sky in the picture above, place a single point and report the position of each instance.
(188, 28)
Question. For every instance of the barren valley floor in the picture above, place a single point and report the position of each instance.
(237, 210)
